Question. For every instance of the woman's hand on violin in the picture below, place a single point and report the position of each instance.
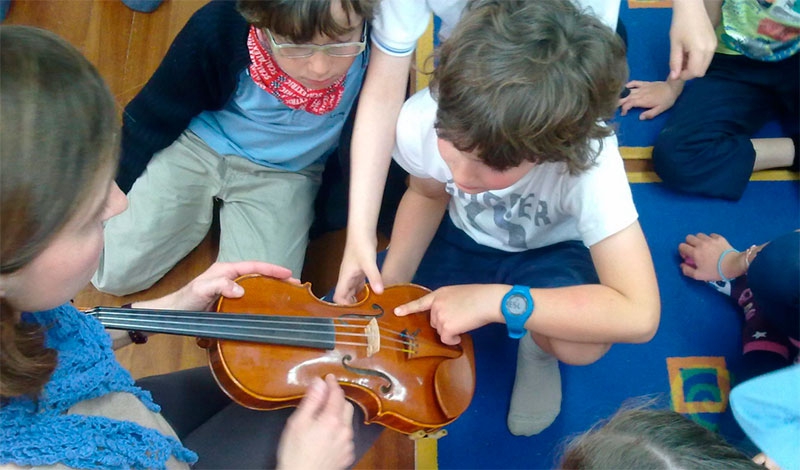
(459, 309)
(202, 292)
(319, 434)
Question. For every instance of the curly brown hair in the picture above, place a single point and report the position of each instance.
(528, 80)
(59, 134)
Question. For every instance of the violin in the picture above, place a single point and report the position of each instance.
(265, 347)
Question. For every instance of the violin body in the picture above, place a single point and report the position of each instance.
(395, 368)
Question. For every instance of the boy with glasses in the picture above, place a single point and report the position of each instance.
(245, 108)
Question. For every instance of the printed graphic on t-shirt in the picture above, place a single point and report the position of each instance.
(509, 216)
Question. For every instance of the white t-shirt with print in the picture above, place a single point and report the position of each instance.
(546, 206)
(399, 24)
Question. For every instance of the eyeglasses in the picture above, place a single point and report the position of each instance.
(340, 49)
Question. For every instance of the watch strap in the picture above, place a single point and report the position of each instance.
(516, 322)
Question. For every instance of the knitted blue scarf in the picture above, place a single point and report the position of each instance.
(39, 432)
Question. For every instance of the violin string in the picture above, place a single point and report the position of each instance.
(235, 318)
(262, 322)
(256, 337)
(241, 317)
(313, 330)
(262, 319)
(398, 333)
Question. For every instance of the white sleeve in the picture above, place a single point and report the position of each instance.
(415, 148)
(601, 199)
(400, 23)
(606, 10)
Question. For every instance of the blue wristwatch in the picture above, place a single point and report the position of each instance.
(517, 307)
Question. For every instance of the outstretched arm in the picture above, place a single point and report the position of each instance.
(623, 308)
(703, 258)
(204, 290)
(373, 139)
(418, 217)
(692, 37)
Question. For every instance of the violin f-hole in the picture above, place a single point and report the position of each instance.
(385, 389)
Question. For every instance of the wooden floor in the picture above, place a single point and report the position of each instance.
(126, 47)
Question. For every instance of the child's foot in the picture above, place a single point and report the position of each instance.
(536, 399)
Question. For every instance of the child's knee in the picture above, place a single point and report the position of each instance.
(119, 282)
(118, 275)
(578, 354)
(671, 160)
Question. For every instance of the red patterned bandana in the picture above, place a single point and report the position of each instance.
(269, 77)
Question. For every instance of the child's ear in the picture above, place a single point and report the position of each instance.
(4, 282)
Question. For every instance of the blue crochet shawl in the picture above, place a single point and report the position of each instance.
(39, 432)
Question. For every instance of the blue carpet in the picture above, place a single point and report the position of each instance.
(696, 355)
(648, 60)
(700, 332)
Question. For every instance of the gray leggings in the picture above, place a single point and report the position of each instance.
(223, 433)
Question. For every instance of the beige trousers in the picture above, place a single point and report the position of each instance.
(265, 215)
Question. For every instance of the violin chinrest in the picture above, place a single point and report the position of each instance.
(454, 381)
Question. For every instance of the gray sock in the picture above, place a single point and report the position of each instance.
(536, 399)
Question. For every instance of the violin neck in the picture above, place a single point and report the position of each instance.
(309, 332)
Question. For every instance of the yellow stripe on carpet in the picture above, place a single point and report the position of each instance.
(649, 3)
(646, 153)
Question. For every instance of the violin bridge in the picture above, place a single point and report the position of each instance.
(373, 337)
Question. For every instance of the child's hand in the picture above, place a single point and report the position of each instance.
(459, 309)
(766, 462)
(701, 254)
(205, 289)
(358, 264)
(319, 434)
(656, 97)
(692, 40)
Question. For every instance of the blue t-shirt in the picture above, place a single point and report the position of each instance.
(257, 126)
(767, 408)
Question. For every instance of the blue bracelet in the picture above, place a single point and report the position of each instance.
(719, 263)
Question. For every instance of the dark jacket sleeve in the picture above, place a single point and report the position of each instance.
(198, 73)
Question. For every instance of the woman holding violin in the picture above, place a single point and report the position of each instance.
(64, 399)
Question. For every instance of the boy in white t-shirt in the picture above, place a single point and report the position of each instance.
(511, 144)
(395, 31)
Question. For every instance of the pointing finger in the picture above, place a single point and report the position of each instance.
(420, 305)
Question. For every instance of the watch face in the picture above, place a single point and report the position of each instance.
(516, 304)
